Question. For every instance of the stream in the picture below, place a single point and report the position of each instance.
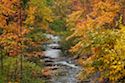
(65, 67)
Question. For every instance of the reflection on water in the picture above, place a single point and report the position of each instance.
(52, 50)
(52, 53)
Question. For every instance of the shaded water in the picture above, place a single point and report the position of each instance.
(66, 67)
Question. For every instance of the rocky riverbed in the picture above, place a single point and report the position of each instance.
(59, 68)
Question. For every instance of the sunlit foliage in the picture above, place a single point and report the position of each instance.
(98, 43)
(18, 20)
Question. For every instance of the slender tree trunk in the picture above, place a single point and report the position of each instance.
(122, 2)
(1, 61)
(20, 35)
(123, 13)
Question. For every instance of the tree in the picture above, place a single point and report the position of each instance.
(96, 38)
(17, 17)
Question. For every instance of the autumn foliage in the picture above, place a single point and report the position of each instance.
(93, 31)
(18, 20)
(96, 27)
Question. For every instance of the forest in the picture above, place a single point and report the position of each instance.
(62, 41)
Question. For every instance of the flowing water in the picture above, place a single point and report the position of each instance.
(66, 67)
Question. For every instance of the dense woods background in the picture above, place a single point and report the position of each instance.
(92, 31)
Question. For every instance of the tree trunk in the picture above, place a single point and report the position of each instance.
(1, 61)
(123, 13)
